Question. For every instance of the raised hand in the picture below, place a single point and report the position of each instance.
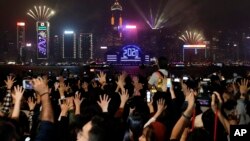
(18, 93)
(77, 99)
(40, 86)
(17, 96)
(243, 86)
(104, 102)
(31, 103)
(121, 82)
(124, 96)
(160, 107)
(9, 82)
(65, 106)
(102, 77)
(216, 101)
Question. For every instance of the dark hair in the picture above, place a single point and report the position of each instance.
(8, 131)
(135, 124)
(162, 62)
(103, 128)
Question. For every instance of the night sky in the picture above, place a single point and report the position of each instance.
(93, 15)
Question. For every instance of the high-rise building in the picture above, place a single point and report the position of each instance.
(85, 50)
(42, 40)
(42, 14)
(116, 18)
(20, 39)
(55, 50)
(116, 23)
(69, 45)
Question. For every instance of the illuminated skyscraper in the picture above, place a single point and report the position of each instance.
(69, 45)
(42, 14)
(56, 48)
(85, 49)
(20, 39)
(116, 18)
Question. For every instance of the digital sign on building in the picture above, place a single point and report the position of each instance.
(42, 40)
(129, 54)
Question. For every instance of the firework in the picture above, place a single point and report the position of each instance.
(192, 37)
(41, 13)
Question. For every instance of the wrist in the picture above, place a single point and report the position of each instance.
(44, 93)
(64, 113)
(104, 110)
(187, 114)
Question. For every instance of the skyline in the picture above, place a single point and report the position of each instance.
(94, 15)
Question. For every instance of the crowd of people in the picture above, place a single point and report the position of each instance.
(124, 108)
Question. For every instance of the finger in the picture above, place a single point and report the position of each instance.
(109, 100)
(81, 100)
(100, 97)
(106, 97)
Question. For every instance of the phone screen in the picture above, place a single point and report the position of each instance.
(148, 96)
(27, 85)
(168, 82)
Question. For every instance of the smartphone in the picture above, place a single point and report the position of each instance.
(27, 84)
(169, 84)
(148, 96)
(204, 102)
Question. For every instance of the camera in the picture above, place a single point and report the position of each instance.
(27, 84)
(203, 101)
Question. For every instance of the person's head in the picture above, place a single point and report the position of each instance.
(99, 128)
(154, 132)
(8, 131)
(188, 85)
(162, 62)
(135, 124)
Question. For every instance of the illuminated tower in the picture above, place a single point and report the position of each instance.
(69, 45)
(85, 49)
(20, 39)
(42, 14)
(116, 17)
